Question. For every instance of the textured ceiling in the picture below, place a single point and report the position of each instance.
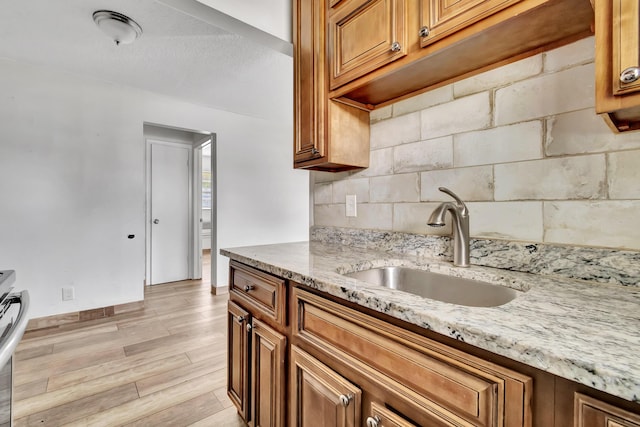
(178, 55)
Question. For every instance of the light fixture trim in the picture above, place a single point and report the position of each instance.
(119, 27)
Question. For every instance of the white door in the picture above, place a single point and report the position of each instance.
(169, 213)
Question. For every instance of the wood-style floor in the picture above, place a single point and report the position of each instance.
(164, 365)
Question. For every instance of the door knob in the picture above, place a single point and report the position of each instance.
(156, 221)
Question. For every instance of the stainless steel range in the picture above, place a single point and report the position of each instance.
(13, 322)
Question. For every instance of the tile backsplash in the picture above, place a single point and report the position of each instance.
(521, 144)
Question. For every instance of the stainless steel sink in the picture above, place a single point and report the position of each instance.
(454, 290)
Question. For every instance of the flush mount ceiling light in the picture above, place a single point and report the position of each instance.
(119, 27)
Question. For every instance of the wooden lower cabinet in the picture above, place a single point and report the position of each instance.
(590, 412)
(267, 376)
(336, 365)
(320, 396)
(238, 358)
(422, 380)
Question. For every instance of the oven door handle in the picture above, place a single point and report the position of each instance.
(17, 330)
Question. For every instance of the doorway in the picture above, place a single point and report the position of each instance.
(180, 169)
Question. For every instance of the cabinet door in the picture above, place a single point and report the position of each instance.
(626, 46)
(618, 63)
(268, 377)
(365, 35)
(238, 358)
(439, 18)
(309, 72)
(382, 417)
(319, 396)
(590, 412)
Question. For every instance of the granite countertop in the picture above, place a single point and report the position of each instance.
(585, 332)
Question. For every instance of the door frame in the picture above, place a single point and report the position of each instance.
(197, 208)
(147, 214)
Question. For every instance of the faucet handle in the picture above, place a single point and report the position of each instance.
(457, 199)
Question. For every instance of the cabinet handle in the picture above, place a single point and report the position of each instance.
(630, 75)
(424, 31)
(345, 399)
(248, 288)
(396, 47)
(373, 421)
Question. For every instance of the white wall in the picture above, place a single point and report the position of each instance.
(72, 184)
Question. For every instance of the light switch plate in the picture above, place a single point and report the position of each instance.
(352, 209)
(68, 293)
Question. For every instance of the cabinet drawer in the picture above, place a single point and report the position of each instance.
(590, 412)
(456, 388)
(261, 291)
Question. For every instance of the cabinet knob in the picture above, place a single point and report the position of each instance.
(249, 327)
(315, 151)
(396, 47)
(345, 399)
(373, 421)
(248, 288)
(240, 319)
(630, 75)
(424, 31)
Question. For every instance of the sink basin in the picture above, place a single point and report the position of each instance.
(454, 290)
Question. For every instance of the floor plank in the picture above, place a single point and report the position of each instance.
(163, 365)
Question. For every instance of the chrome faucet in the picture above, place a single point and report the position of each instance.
(460, 215)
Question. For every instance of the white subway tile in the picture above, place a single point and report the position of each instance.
(330, 215)
(512, 143)
(380, 163)
(395, 188)
(580, 177)
(322, 193)
(593, 223)
(377, 216)
(500, 76)
(461, 115)
(380, 114)
(568, 90)
(506, 220)
(424, 155)
(623, 175)
(328, 176)
(359, 187)
(424, 100)
(572, 54)
(412, 218)
(395, 131)
(584, 131)
(470, 184)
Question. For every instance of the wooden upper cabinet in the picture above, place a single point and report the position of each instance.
(320, 396)
(590, 412)
(365, 35)
(618, 63)
(440, 18)
(328, 135)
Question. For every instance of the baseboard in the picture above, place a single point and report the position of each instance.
(82, 316)
(219, 290)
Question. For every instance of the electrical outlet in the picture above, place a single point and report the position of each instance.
(352, 209)
(68, 293)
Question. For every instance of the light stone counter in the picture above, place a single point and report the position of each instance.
(577, 330)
